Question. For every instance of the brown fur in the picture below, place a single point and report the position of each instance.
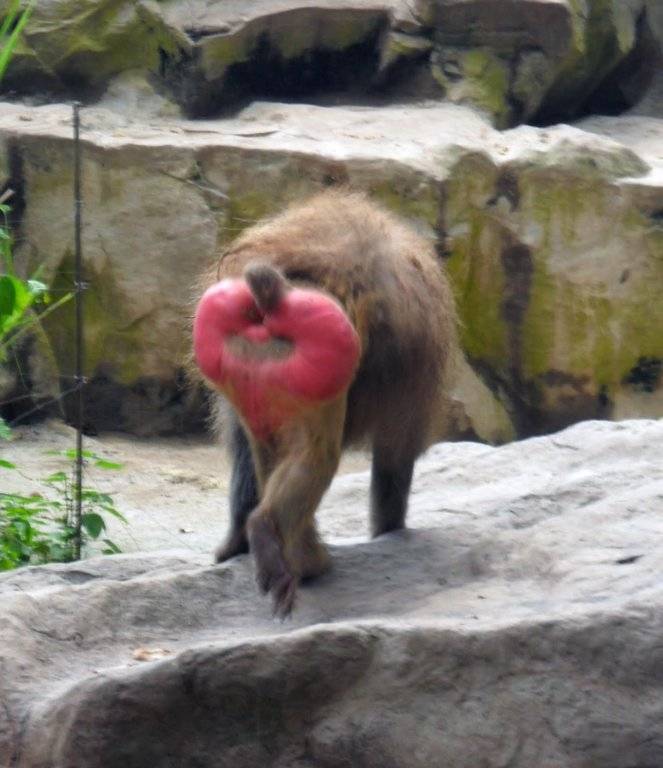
(395, 292)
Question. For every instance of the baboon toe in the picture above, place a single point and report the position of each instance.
(272, 571)
(283, 596)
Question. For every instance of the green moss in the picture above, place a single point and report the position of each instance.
(539, 325)
(219, 52)
(484, 82)
(597, 331)
(474, 267)
(108, 337)
(398, 45)
(600, 39)
(421, 204)
(95, 41)
(478, 283)
(590, 331)
(487, 80)
(292, 35)
(342, 31)
(244, 210)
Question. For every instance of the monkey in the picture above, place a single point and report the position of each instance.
(326, 326)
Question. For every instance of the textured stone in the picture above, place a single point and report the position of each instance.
(540, 59)
(517, 622)
(552, 239)
(514, 60)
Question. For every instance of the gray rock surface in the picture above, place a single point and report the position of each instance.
(552, 238)
(514, 60)
(516, 623)
(552, 235)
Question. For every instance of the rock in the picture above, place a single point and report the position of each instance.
(206, 55)
(552, 238)
(78, 46)
(557, 230)
(137, 309)
(541, 59)
(515, 623)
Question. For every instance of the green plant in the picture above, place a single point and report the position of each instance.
(17, 296)
(40, 527)
(10, 31)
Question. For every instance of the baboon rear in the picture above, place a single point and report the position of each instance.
(352, 257)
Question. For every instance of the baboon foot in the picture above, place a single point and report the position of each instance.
(386, 526)
(272, 572)
(313, 560)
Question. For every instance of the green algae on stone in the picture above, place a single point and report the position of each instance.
(474, 242)
(111, 342)
(483, 81)
(604, 32)
(588, 315)
(399, 46)
(218, 52)
(478, 281)
(83, 43)
(413, 199)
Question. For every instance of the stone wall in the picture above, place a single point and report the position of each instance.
(445, 111)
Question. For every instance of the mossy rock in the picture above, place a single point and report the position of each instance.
(528, 60)
(476, 76)
(557, 273)
(77, 46)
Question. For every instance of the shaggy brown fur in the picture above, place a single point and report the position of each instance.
(395, 292)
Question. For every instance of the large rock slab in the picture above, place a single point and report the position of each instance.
(517, 622)
(540, 59)
(515, 60)
(552, 238)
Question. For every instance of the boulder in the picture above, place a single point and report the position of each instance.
(541, 59)
(516, 622)
(205, 55)
(551, 236)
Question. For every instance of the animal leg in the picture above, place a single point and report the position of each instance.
(243, 495)
(281, 529)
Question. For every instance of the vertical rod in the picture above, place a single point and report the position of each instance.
(78, 266)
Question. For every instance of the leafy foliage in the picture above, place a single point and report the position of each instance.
(17, 296)
(10, 31)
(40, 527)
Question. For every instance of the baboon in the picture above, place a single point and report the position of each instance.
(326, 326)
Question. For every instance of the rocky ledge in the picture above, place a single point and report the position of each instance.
(552, 237)
(517, 622)
(201, 117)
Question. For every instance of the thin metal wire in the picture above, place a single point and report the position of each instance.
(79, 288)
(25, 415)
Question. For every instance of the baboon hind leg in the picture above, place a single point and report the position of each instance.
(391, 474)
(243, 494)
(281, 529)
(391, 479)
